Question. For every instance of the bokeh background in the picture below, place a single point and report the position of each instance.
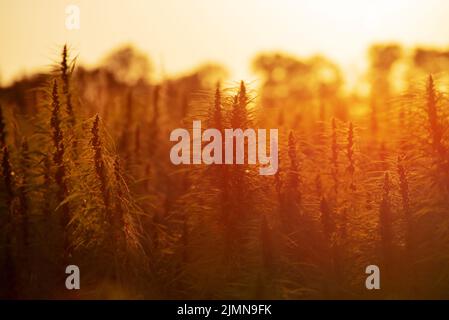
(357, 89)
(180, 35)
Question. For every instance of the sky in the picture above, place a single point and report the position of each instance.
(181, 34)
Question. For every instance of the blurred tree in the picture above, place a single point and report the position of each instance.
(211, 73)
(382, 59)
(128, 65)
(431, 60)
(287, 77)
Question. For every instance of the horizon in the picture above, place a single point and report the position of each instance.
(257, 26)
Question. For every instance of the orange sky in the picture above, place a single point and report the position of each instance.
(180, 34)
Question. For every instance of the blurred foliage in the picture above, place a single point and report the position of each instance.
(362, 180)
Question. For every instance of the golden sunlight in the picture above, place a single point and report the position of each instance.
(224, 150)
(179, 35)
